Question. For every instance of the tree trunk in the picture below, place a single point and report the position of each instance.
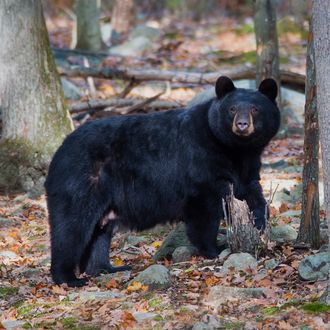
(309, 231)
(267, 42)
(122, 16)
(35, 119)
(321, 28)
(88, 26)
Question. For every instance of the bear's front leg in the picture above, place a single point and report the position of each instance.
(202, 217)
(257, 203)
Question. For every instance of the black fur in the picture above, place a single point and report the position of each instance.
(139, 171)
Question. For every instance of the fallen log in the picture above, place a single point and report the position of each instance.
(288, 78)
(116, 103)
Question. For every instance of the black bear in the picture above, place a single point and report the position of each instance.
(141, 170)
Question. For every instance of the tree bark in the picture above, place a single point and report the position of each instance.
(122, 15)
(309, 231)
(88, 26)
(321, 28)
(267, 42)
(35, 118)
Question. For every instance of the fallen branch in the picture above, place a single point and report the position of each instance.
(143, 103)
(98, 105)
(242, 72)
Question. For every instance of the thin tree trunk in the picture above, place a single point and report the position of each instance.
(122, 15)
(88, 26)
(309, 231)
(321, 28)
(267, 42)
(35, 118)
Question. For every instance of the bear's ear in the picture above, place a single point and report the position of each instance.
(223, 86)
(268, 87)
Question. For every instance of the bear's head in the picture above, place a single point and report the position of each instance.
(242, 117)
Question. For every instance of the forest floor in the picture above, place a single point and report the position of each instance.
(29, 299)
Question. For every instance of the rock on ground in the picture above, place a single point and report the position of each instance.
(183, 253)
(240, 261)
(178, 237)
(155, 276)
(202, 326)
(96, 295)
(316, 267)
(283, 233)
(220, 294)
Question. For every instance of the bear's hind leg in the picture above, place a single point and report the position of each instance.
(95, 260)
(65, 251)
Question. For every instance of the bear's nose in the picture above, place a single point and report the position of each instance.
(242, 125)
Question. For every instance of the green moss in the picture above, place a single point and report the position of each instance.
(27, 326)
(245, 29)
(7, 292)
(22, 164)
(233, 325)
(69, 323)
(156, 302)
(270, 310)
(24, 310)
(273, 310)
(46, 325)
(316, 307)
(158, 318)
(247, 57)
(288, 25)
(284, 60)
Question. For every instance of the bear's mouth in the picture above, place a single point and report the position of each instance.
(243, 134)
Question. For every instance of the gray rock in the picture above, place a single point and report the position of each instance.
(177, 237)
(315, 267)
(8, 255)
(135, 240)
(183, 253)
(271, 264)
(133, 47)
(283, 233)
(202, 326)
(220, 294)
(140, 316)
(71, 91)
(155, 276)
(240, 261)
(97, 295)
(224, 254)
(144, 31)
(104, 279)
(12, 324)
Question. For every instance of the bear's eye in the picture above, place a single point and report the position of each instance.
(254, 110)
(233, 110)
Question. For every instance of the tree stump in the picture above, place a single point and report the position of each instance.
(242, 235)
